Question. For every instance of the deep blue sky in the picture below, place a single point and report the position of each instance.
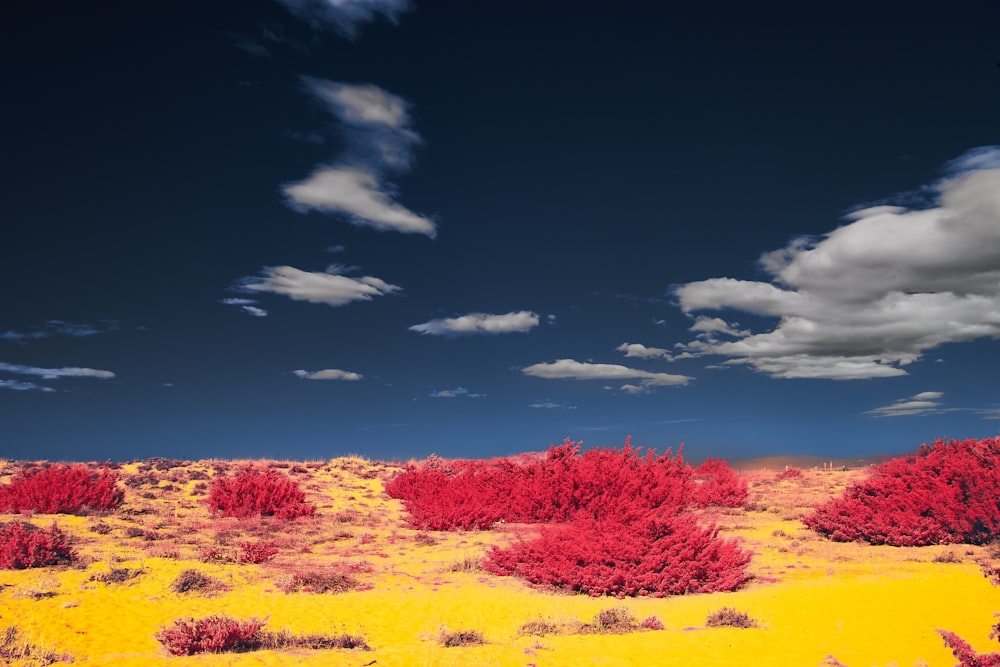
(279, 229)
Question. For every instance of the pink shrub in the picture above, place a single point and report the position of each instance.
(944, 494)
(790, 472)
(657, 556)
(22, 545)
(718, 484)
(967, 656)
(212, 634)
(62, 489)
(258, 491)
(255, 552)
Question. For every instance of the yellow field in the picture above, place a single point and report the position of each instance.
(812, 598)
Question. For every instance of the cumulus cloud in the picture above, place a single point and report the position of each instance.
(378, 140)
(17, 385)
(328, 374)
(60, 328)
(455, 393)
(570, 369)
(873, 295)
(640, 351)
(345, 16)
(55, 373)
(923, 403)
(480, 323)
(328, 287)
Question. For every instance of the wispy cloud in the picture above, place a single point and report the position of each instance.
(345, 16)
(551, 405)
(55, 373)
(17, 385)
(924, 403)
(570, 369)
(329, 374)
(872, 296)
(480, 323)
(329, 287)
(455, 393)
(379, 141)
(246, 305)
(59, 328)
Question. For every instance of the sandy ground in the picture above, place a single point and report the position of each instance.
(812, 598)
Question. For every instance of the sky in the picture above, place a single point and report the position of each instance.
(301, 229)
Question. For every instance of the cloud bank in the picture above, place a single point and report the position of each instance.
(924, 403)
(379, 140)
(345, 16)
(329, 287)
(480, 323)
(874, 295)
(570, 369)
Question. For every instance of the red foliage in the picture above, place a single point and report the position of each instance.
(790, 473)
(258, 491)
(718, 484)
(255, 552)
(944, 494)
(22, 545)
(967, 656)
(659, 555)
(212, 634)
(62, 489)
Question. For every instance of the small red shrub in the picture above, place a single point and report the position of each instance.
(944, 494)
(212, 634)
(790, 472)
(967, 656)
(22, 545)
(656, 556)
(258, 491)
(62, 489)
(255, 552)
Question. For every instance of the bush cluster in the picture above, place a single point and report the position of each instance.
(967, 656)
(258, 491)
(615, 522)
(62, 489)
(944, 494)
(224, 634)
(23, 545)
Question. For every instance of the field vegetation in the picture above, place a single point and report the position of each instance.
(605, 556)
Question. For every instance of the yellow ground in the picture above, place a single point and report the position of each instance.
(864, 605)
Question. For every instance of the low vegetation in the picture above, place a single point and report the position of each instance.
(22, 545)
(258, 491)
(62, 489)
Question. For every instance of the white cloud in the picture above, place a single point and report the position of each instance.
(378, 140)
(640, 351)
(872, 296)
(255, 311)
(551, 405)
(920, 404)
(328, 374)
(54, 373)
(455, 393)
(570, 369)
(246, 306)
(709, 326)
(358, 193)
(345, 16)
(480, 323)
(60, 328)
(330, 288)
(17, 385)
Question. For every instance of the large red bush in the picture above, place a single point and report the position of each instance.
(947, 493)
(718, 484)
(258, 491)
(62, 489)
(22, 545)
(658, 555)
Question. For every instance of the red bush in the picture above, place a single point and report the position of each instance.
(62, 489)
(790, 472)
(255, 552)
(944, 494)
(258, 491)
(22, 545)
(658, 555)
(967, 656)
(718, 484)
(212, 634)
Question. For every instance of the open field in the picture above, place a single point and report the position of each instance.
(811, 598)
